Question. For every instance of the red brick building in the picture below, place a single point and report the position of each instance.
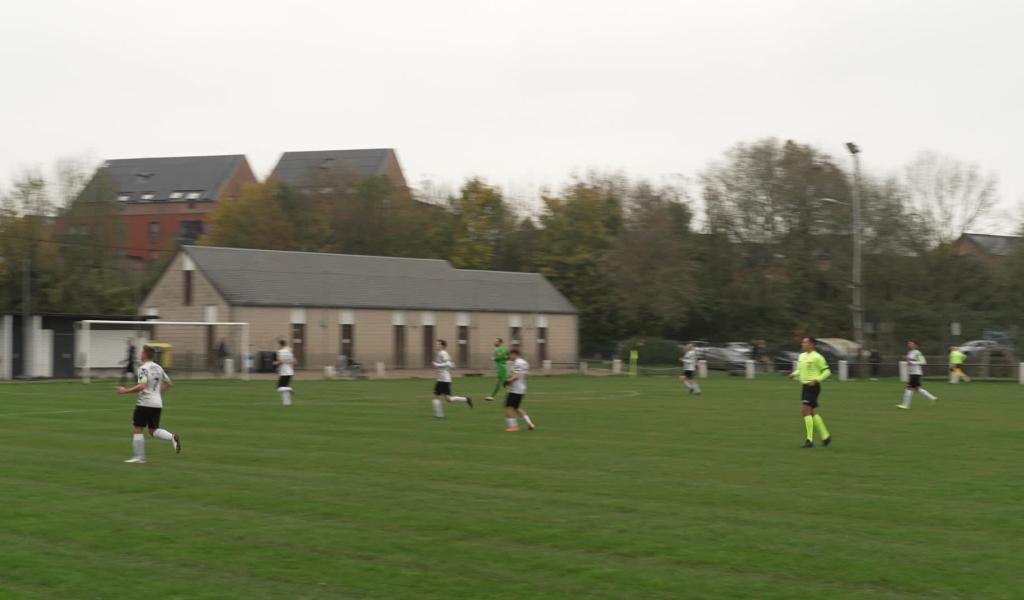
(165, 202)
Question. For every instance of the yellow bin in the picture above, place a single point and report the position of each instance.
(163, 353)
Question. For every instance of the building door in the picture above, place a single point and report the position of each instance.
(513, 337)
(542, 344)
(211, 351)
(463, 346)
(399, 346)
(348, 342)
(428, 346)
(299, 343)
(63, 354)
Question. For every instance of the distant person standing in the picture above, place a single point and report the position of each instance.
(129, 362)
(501, 356)
(689, 361)
(152, 382)
(516, 393)
(956, 365)
(285, 363)
(915, 370)
(443, 385)
(811, 370)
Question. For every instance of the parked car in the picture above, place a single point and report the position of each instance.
(722, 359)
(976, 346)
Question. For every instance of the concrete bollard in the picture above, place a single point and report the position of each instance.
(749, 369)
(844, 371)
(617, 366)
(328, 372)
(1020, 373)
(229, 367)
(583, 368)
(702, 369)
(904, 372)
(546, 366)
(380, 369)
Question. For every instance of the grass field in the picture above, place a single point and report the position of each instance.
(627, 489)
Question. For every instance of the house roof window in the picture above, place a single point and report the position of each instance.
(176, 195)
(146, 196)
(193, 195)
(124, 197)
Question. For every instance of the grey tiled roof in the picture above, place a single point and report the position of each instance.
(304, 169)
(308, 279)
(163, 176)
(996, 245)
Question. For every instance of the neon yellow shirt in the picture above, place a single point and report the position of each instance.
(957, 357)
(811, 366)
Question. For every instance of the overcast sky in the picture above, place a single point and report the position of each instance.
(520, 92)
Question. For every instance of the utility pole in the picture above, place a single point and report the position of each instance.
(858, 286)
(27, 369)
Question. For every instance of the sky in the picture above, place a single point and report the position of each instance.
(522, 93)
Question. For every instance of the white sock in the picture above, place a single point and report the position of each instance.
(163, 434)
(907, 395)
(696, 387)
(510, 422)
(456, 398)
(926, 393)
(139, 445)
(526, 418)
(688, 385)
(438, 411)
(286, 395)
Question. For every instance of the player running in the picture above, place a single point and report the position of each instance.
(500, 360)
(516, 393)
(956, 365)
(443, 386)
(285, 363)
(689, 361)
(153, 381)
(811, 370)
(915, 369)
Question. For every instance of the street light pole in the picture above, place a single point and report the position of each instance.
(858, 290)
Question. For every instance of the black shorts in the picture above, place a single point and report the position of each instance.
(284, 381)
(513, 400)
(915, 381)
(442, 388)
(688, 374)
(146, 416)
(809, 395)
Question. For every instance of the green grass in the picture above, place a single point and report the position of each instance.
(628, 489)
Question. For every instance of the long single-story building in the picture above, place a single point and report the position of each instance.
(367, 308)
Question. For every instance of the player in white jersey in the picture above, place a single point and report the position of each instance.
(915, 369)
(689, 361)
(153, 381)
(516, 392)
(443, 386)
(284, 361)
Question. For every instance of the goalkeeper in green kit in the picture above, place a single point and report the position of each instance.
(500, 358)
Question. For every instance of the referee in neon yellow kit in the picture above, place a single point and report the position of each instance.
(811, 370)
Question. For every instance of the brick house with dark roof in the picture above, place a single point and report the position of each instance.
(327, 169)
(990, 249)
(166, 201)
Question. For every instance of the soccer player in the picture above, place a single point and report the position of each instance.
(285, 363)
(516, 392)
(956, 365)
(129, 363)
(153, 381)
(689, 361)
(915, 369)
(443, 386)
(811, 370)
(500, 358)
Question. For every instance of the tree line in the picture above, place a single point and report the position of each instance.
(757, 247)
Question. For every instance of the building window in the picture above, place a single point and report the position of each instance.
(175, 195)
(124, 197)
(154, 232)
(146, 196)
(464, 346)
(348, 342)
(514, 335)
(191, 231)
(542, 344)
(193, 195)
(188, 288)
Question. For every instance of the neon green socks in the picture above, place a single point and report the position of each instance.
(822, 430)
(809, 424)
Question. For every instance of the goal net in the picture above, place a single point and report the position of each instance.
(184, 348)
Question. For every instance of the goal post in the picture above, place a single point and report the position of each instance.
(215, 340)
